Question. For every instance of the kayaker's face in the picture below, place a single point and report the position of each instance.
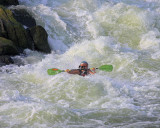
(83, 67)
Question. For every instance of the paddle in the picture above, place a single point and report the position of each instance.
(54, 71)
(107, 68)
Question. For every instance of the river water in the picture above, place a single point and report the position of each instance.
(124, 33)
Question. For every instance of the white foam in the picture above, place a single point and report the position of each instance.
(150, 40)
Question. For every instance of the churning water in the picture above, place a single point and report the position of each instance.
(124, 33)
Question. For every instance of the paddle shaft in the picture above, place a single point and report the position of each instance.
(77, 69)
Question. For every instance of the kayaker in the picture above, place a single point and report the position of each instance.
(83, 69)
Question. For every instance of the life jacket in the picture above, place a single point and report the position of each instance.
(83, 72)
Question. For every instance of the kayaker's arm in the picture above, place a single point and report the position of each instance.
(76, 71)
(73, 71)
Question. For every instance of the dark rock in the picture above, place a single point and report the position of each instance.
(7, 47)
(2, 30)
(5, 60)
(40, 38)
(9, 2)
(35, 38)
(30, 39)
(22, 16)
(13, 30)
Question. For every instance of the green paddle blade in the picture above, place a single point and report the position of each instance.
(107, 68)
(54, 71)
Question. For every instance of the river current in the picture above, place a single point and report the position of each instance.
(123, 33)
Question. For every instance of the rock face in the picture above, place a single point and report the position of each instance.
(40, 37)
(9, 2)
(14, 38)
(13, 30)
(22, 16)
(7, 47)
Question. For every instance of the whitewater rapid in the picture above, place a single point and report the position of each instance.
(123, 33)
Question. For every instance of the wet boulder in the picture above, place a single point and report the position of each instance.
(5, 60)
(22, 16)
(9, 2)
(7, 47)
(40, 38)
(13, 30)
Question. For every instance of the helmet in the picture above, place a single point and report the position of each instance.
(83, 64)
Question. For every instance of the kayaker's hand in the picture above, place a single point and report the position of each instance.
(93, 69)
(67, 70)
